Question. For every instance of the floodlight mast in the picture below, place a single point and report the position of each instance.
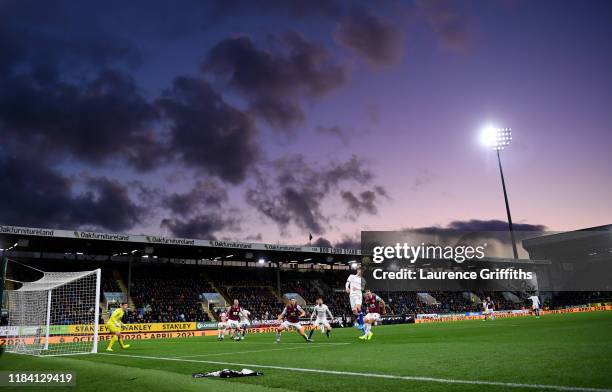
(499, 139)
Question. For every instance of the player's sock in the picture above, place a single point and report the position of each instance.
(121, 343)
(278, 336)
(311, 333)
(366, 328)
(112, 341)
(360, 319)
(327, 333)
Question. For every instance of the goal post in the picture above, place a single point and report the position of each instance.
(55, 315)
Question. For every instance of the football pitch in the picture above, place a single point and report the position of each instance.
(556, 353)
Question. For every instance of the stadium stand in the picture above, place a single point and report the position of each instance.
(171, 292)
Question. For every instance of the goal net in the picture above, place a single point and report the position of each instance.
(55, 315)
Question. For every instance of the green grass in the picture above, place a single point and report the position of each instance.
(573, 350)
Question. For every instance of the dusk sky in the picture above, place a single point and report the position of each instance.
(269, 120)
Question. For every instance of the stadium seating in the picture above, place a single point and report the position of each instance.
(171, 292)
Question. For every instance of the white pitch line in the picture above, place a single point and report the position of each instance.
(379, 375)
(260, 351)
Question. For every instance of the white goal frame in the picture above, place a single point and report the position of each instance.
(55, 315)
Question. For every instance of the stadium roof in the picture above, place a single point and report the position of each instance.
(592, 241)
(15, 238)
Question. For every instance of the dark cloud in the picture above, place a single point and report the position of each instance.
(364, 202)
(475, 225)
(494, 232)
(95, 121)
(322, 242)
(274, 82)
(296, 190)
(492, 225)
(349, 243)
(279, 114)
(446, 19)
(200, 226)
(61, 93)
(373, 37)
(299, 9)
(335, 131)
(254, 237)
(204, 194)
(381, 191)
(107, 204)
(34, 33)
(206, 132)
(34, 194)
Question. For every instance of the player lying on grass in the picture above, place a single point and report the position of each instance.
(535, 304)
(375, 306)
(233, 322)
(114, 325)
(222, 326)
(354, 285)
(245, 323)
(291, 316)
(321, 311)
(488, 307)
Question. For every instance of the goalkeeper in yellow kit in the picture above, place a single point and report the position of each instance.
(114, 325)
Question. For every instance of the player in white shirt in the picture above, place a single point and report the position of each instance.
(245, 321)
(321, 311)
(487, 309)
(222, 325)
(535, 305)
(354, 287)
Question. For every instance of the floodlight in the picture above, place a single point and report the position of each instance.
(496, 138)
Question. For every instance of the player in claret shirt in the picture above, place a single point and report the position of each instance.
(233, 322)
(375, 306)
(488, 309)
(291, 315)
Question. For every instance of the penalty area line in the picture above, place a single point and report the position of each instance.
(376, 375)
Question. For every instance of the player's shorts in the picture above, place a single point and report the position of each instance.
(319, 322)
(286, 324)
(535, 307)
(488, 311)
(246, 323)
(355, 297)
(113, 328)
(372, 316)
(233, 324)
(222, 325)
